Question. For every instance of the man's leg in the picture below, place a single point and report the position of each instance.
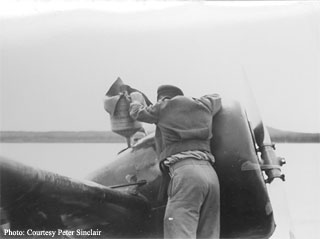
(209, 221)
(186, 193)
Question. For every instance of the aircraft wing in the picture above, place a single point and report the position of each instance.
(38, 199)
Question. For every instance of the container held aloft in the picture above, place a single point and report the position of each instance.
(117, 104)
(121, 121)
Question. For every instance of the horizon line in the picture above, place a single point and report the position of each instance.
(95, 136)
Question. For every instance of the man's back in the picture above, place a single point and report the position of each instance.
(185, 123)
(185, 118)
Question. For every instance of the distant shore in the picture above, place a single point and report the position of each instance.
(282, 136)
(60, 137)
(277, 136)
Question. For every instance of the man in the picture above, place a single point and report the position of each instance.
(183, 133)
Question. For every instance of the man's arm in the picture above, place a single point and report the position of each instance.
(214, 100)
(139, 111)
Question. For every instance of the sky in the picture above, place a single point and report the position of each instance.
(58, 58)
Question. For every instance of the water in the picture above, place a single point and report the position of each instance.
(300, 192)
(302, 187)
(70, 159)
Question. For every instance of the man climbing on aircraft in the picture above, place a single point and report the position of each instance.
(183, 133)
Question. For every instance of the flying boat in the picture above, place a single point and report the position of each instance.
(121, 199)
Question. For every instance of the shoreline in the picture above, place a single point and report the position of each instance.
(277, 136)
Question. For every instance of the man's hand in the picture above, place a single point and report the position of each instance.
(137, 97)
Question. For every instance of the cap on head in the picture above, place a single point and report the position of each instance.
(168, 91)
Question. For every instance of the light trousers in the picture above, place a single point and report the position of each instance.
(193, 208)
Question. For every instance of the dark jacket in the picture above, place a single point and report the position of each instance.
(183, 123)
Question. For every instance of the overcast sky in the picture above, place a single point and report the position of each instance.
(58, 60)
